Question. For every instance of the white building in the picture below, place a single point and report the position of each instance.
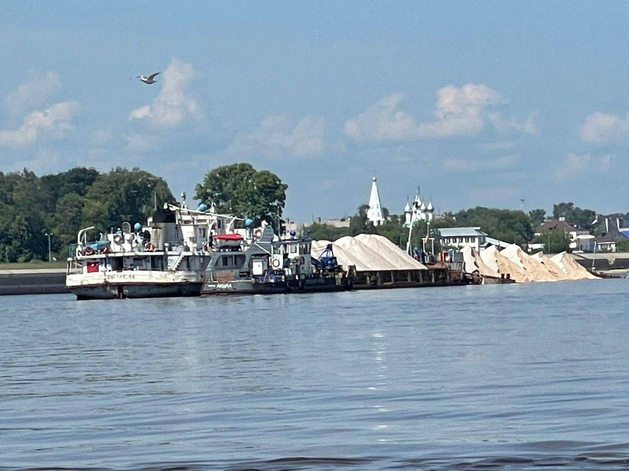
(460, 237)
(418, 211)
(374, 213)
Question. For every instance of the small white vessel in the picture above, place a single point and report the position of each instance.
(167, 257)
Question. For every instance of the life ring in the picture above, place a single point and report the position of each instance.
(88, 251)
(117, 238)
(276, 263)
(149, 247)
(257, 233)
(302, 261)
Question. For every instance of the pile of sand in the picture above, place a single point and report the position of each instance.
(571, 269)
(549, 265)
(534, 268)
(368, 252)
(473, 262)
(384, 247)
(493, 258)
(523, 267)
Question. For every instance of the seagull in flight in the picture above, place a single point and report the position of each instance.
(150, 79)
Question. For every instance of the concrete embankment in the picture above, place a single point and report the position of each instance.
(42, 281)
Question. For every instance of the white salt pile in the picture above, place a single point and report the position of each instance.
(549, 265)
(474, 262)
(523, 267)
(390, 251)
(534, 268)
(368, 252)
(495, 260)
(571, 269)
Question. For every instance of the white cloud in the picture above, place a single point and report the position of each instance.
(505, 124)
(575, 165)
(467, 165)
(278, 136)
(459, 112)
(139, 143)
(572, 167)
(602, 128)
(32, 93)
(383, 121)
(173, 104)
(141, 112)
(53, 121)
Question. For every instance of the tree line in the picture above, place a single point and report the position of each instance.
(59, 205)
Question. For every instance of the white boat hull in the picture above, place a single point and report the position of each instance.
(112, 285)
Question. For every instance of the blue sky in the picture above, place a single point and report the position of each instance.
(479, 103)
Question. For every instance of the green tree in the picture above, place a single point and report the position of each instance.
(123, 195)
(554, 241)
(503, 224)
(538, 216)
(68, 220)
(581, 218)
(241, 190)
(324, 232)
(623, 245)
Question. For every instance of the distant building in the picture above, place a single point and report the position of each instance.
(460, 237)
(339, 222)
(374, 213)
(418, 211)
(300, 227)
(499, 244)
(610, 231)
(580, 239)
(553, 225)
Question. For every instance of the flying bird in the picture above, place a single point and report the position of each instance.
(150, 79)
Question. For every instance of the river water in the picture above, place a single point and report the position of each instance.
(480, 377)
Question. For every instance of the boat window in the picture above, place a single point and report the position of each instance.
(157, 262)
(116, 264)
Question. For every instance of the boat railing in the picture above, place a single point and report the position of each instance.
(175, 259)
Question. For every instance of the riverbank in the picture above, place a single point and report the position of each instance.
(33, 281)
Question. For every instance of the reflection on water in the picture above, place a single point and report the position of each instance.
(485, 377)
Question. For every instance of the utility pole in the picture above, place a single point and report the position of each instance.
(49, 247)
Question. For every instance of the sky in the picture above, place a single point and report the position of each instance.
(476, 102)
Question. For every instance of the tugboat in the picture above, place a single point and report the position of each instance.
(256, 261)
(167, 257)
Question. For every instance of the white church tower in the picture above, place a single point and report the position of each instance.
(374, 213)
(418, 211)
